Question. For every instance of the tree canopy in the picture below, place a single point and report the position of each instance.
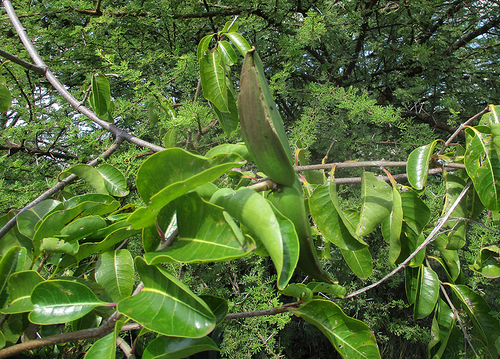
(121, 143)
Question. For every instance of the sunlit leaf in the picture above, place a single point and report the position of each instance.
(105, 348)
(227, 53)
(166, 305)
(58, 245)
(417, 165)
(114, 181)
(455, 185)
(483, 164)
(350, 337)
(450, 257)
(239, 42)
(376, 203)
(5, 98)
(61, 301)
(427, 292)
(177, 348)
(329, 222)
(488, 262)
(100, 96)
(203, 46)
(13, 237)
(21, 285)
(115, 272)
(27, 220)
(395, 225)
(327, 288)
(213, 80)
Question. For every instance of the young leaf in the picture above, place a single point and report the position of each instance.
(115, 272)
(114, 181)
(227, 53)
(213, 80)
(350, 337)
(299, 291)
(203, 46)
(359, 261)
(21, 285)
(205, 235)
(100, 96)
(483, 165)
(177, 348)
(486, 327)
(427, 292)
(329, 221)
(417, 166)
(166, 305)
(61, 301)
(239, 42)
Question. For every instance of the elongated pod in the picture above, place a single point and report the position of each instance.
(261, 123)
(290, 202)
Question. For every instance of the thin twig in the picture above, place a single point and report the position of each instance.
(366, 164)
(428, 240)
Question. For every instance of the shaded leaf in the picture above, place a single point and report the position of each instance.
(450, 257)
(115, 272)
(327, 288)
(239, 42)
(454, 186)
(442, 330)
(57, 245)
(350, 337)
(166, 305)
(170, 138)
(218, 306)
(114, 180)
(427, 292)
(13, 261)
(486, 327)
(13, 237)
(417, 166)
(227, 53)
(5, 98)
(228, 120)
(105, 348)
(359, 261)
(299, 291)
(239, 148)
(61, 301)
(487, 262)
(21, 285)
(177, 348)
(27, 220)
(100, 96)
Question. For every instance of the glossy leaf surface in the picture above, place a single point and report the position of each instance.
(350, 337)
(167, 306)
(417, 166)
(21, 285)
(61, 301)
(427, 292)
(114, 181)
(335, 289)
(13, 261)
(486, 327)
(206, 234)
(443, 328)
(239, 42)
(13, 237)
(359, 261)
(213, 80)
(483, 164)
(105, 348)
(27, 220)
(100, 96)
(488, 262)
(177, 348)
(115, 272)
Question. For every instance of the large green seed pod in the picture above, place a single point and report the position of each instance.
(261, 123)
(290, 202)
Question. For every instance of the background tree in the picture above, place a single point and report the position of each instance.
(353, 81)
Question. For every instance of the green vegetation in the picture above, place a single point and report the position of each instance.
(246, 180)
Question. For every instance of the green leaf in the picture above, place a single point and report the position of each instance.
(492, 117)
(417, 166)
(442, 330)
(411, 283)
(486, 327)
(21, 285)
(450, 257)
(82, 227)
(13, 261)
(213, 80)
(359, 261)
(88, 173)
(115, 272)
(227, 53)
(482, 164)
(454, 186)
(61, 301)
(218, 306)
(350, 337)
(239, 148)
(177, 348)
(105, 348)
(228, 120)
(329, 221)
(100, 96)
(170, 138)
(270, 227)
(5, 98)
(376, 203)
(427, 293)
(395, 225)
(57, 245)
(166, 305)
(153, 115)
(327, 288)
(239, 42)
(13, 237)
(299, 291)
(114, 180)
(203, 46)
(233, 28)
(206, 234)
(26, 221)
(169, 174)
(488, 262)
